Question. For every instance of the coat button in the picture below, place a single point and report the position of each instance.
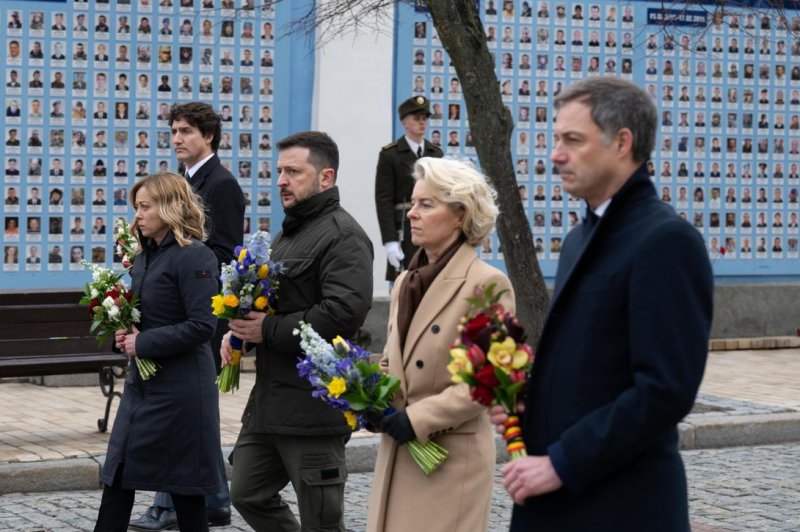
(420, 364)
(435, 329)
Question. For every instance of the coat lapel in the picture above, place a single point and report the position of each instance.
(201, 176)
(571, 255)
(438, 296)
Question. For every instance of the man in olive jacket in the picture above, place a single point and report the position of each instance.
(288, 435)
(394, 183)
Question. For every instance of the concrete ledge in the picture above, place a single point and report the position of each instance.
(52, 475)
(769, 342)
(707, 433)
(733, 431)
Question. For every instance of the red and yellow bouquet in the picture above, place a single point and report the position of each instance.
(491, 357)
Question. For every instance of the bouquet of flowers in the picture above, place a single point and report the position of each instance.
(125, 244)
(249, 282)
(112, 306)
(491, 357)
(342, 376)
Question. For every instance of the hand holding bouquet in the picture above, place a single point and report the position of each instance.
(113, 307)
(125, 243)
(491, 357)
(342, 376)
(249, 282)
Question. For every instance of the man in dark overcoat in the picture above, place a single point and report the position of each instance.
(624, 346)
(196, 133)
(394, 183)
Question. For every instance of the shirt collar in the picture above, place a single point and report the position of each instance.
(193, 170)
(413, 145)
(601, 209)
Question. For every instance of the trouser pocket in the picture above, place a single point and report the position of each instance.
(322, 499)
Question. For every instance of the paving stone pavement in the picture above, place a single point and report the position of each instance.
(738, 489)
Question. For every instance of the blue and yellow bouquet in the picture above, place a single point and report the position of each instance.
(342, 375)
(249, 282)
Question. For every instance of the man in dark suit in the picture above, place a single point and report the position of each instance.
(623, 350)
(393, 182)
(196, 131)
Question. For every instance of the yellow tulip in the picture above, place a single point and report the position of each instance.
(260, 303)
(263, 271)
(339, 341)
(351, 419)
(337, 386)
(218, 305)
(231, 300)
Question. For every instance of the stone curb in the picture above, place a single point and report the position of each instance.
(706, 432)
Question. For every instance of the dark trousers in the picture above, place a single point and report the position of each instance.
(223, 498)
(263, 464)
(117, 503)
(217, 500)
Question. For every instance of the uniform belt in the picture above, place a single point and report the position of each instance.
(402, 206)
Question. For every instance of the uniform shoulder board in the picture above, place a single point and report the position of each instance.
(390, 145)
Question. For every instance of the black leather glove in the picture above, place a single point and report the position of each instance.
(398, 426)
(373, 420)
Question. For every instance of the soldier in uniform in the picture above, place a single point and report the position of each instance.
(394, 183)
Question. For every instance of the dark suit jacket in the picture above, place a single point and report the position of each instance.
(224, 203)
(394, 184)
(618, 366)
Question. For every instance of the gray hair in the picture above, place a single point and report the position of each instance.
(616, 104)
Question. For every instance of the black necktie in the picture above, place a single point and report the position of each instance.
(186, 174)
(590, 220)
(419, 152)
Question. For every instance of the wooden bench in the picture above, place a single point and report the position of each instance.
(47, 333)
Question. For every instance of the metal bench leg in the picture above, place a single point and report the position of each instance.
(107, 387)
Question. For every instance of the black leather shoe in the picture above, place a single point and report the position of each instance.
(219, 516)
(156, 518)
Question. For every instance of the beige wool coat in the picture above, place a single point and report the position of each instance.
(456, 497)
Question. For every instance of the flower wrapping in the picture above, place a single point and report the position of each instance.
(341, 374)
(249, 282)
(490, 356)
(112, 306)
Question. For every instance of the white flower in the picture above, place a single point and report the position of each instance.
(135, 314)
(95, 293)
(113, 312)
(108, 303)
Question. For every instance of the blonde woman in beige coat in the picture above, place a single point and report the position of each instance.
(453, 212)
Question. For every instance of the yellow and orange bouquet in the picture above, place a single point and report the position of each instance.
(249, 282)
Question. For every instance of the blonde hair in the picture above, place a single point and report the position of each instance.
(460, 186)
(178, 205)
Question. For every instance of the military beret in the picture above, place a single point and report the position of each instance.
(415, 104)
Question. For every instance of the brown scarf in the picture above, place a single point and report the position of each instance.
(419, 278)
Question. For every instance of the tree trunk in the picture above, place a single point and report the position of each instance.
(463, 37)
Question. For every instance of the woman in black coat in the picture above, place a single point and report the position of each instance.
(166, 432)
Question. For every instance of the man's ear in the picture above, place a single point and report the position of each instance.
(624, 141)
(327, 178)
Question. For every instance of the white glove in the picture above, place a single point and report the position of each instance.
(394, 254)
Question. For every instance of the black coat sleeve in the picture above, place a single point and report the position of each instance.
(225, 205)
(385, 183)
